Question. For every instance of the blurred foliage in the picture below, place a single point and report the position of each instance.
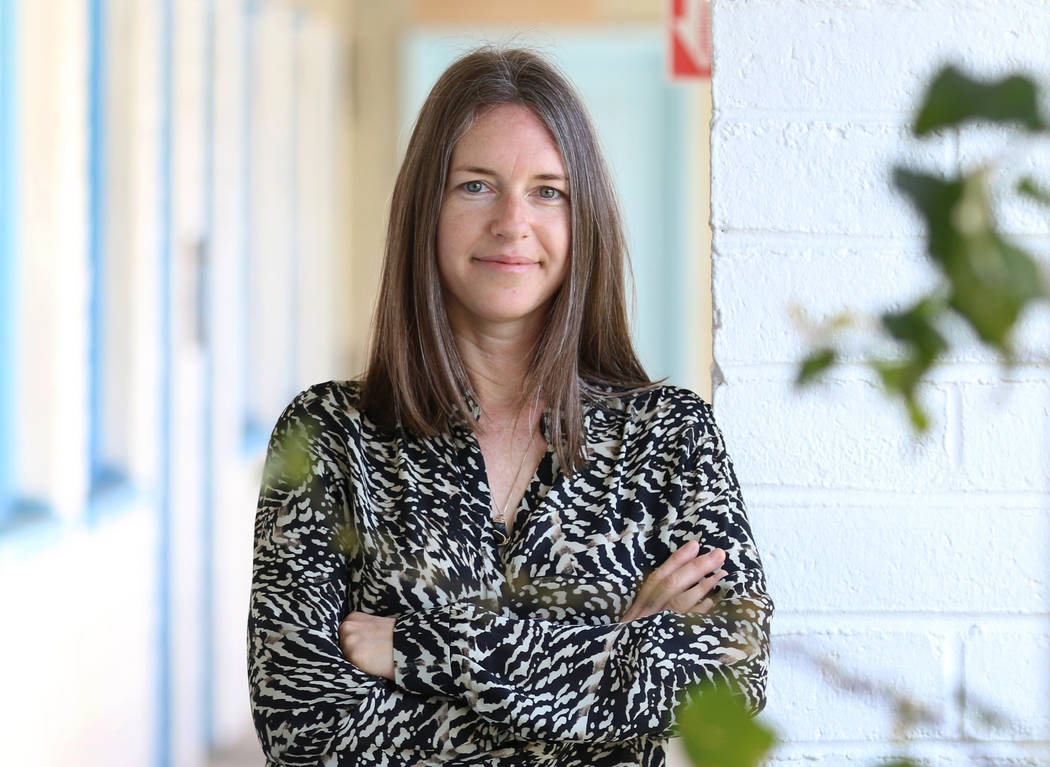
(718, 731)
(292, 465)
(289, 461)
(953, 99)
(985, 279)
(911, 719)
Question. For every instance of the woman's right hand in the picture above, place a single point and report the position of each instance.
(681, 583)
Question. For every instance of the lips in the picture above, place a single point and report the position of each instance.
(508, 260)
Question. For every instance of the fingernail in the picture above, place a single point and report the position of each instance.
(721, 573)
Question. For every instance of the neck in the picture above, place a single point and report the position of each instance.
(497, 360)
(497, 369)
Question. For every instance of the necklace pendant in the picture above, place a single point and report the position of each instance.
(501, 531)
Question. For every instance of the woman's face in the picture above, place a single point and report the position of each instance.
(504, 229)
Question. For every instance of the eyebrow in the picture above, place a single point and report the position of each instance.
(488, 172)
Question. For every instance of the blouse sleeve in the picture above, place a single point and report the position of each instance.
(308, 701)
(556, 682)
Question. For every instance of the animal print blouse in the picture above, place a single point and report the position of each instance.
(511, 657)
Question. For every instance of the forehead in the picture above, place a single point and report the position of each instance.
(510, 132)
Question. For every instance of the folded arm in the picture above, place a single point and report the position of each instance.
(551, 681)
(307, 700)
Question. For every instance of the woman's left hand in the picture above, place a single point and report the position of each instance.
(367, 641)
(681, 583)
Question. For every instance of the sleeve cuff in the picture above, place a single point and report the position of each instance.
(424, 653)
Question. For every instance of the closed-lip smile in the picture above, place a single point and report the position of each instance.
(512, 260)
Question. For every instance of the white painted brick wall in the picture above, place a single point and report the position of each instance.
(823, 672)
(922, 565)
(1018, 689)
(905, 554)
(813, 176)
(845, 436)
(796, 272)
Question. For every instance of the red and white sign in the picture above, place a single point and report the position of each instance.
(690, 39)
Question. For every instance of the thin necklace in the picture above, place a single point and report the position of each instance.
(501, 512)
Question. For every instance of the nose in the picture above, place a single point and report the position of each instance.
(510, 218)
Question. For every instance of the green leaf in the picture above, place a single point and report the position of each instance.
(815, 364)
(991, 280)
(934, 198)
(916, 414)
(915, 327)
(718, 731)
(954, 99)
(1030, 188)
(900, 379)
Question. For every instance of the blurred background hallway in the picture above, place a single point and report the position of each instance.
(192, 208)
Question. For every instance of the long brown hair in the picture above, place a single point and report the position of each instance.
(416, 378)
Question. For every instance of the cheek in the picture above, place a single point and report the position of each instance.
(453, 232)
(446, 245)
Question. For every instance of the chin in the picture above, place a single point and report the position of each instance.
(505, 313)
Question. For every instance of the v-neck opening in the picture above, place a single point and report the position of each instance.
(526, 504)
(531, 498)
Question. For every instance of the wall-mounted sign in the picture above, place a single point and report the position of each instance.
(689, 39)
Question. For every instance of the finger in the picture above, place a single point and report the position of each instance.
(703, 567)
(667, 581)
(689, 598)
(712, 560)
(654, 591)
(696, 577)
(703, 608)
(679, 572)
(346, 633)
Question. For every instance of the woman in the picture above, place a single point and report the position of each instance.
(505, 545)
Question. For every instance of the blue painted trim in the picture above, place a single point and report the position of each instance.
(29, 528)
(253, 432)
(208, 414)
(254, 437)
(9, 233)
(163, 742)
(96, 129)
(109, 489)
